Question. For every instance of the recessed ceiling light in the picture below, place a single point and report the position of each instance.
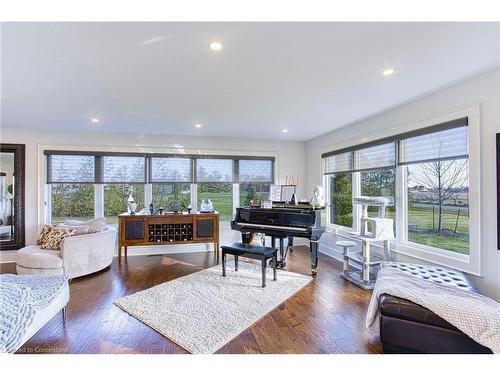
(94, 120)
(388, 72)
(215, 46)
(198, 126)
(285, 130)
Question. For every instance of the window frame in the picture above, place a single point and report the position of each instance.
(470, 263)
(44, 185)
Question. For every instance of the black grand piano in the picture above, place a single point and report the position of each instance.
(280, 222)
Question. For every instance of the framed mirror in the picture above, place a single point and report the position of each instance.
(11, 196)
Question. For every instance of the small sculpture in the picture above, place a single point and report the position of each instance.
(189, 208)
(174, 207)
(206, 206)
(203, 206)
(151, 208)
(132, 206)
(318, 198)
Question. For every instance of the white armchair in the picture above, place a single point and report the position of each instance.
(79, 255)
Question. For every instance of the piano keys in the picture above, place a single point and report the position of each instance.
(279, 223)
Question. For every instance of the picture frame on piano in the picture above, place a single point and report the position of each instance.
(287, 192)
(275, 193)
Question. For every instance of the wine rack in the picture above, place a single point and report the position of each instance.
(170, 232)
(169, 229)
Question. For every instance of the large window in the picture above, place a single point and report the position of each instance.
(380, 182)
(221, 195)
(214, 170)
(256, 177)
(116, 199)
(438, 186)
(339, 169)
(171, 177)
(252, 194)
(167, 195)
(341, 199)
(84, 185)
(122, 175)
(71, 201)
(430, 167)
(123, 169)
(71, 189)
(214, 177)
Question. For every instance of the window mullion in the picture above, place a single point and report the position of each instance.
(401, 204)
(236, 197)
(48, 204)
(356, 209)
(148, 195)
(194, 197)
(98, 200)
(328, 195)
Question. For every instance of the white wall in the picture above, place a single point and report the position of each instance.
(482, 90)
(290, 157)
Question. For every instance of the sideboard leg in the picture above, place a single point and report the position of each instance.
(126, 251)
(119, 252)
(216, 252)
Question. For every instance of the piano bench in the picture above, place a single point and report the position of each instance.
(261, 253)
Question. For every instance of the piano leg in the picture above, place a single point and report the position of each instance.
(282, 253)
(313, 248)
(281, 263)
(290, 244)
(246, 237)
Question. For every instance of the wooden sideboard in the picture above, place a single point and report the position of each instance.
(168, 229)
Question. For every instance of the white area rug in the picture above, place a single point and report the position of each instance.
(203, 311)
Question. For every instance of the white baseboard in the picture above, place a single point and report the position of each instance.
(8, 256)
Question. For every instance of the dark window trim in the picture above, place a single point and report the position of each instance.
(98, 165)
(159, 155)
(457, 123)
(458, 157)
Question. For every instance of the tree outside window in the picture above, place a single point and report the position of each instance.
(341, 199)
(71, 201)
(380, 182)
(438, 212)
(165, 195)
(116, 200)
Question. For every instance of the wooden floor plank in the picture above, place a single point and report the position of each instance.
(327, 316)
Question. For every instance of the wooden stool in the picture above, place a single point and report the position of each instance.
(262, 253)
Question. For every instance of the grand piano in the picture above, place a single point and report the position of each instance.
(280, 222)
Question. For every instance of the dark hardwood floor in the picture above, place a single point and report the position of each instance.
(327, 316)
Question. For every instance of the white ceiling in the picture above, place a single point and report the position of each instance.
(162, 78)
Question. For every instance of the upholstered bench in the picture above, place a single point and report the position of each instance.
(262, 253)
(406, 327)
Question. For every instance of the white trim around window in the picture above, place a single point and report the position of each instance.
(470, 263)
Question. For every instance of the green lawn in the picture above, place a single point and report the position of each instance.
(223, 203)
(419, 217)
(422, 218)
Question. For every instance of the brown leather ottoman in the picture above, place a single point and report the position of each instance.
(406, 327)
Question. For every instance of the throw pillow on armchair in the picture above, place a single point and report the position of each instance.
(43, 233)
(53, 239)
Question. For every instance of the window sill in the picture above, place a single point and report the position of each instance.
(446, 258)
(338, 229)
